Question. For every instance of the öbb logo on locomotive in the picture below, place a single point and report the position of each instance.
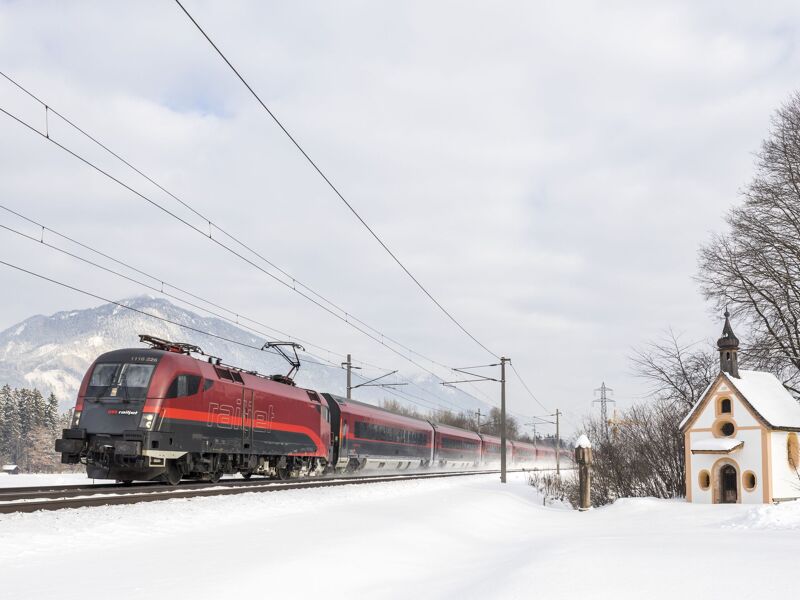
(170, 412)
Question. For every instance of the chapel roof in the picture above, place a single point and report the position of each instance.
(765, 394)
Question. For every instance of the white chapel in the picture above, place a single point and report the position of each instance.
(741, 437)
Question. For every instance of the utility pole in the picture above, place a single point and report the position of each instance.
(502, 380)
(558, 443)
(503, 361)
(542, 420)
(604, 400)
(478, 414)
(369, 383)
(349, 365)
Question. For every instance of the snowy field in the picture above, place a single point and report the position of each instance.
(466, 537)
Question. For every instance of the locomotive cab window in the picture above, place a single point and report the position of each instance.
(184, 385)
(121, 381)
(103, 374)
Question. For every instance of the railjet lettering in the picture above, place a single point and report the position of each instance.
(114, 411)
(225, 415)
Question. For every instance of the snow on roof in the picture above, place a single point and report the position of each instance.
(722, 445)
(583, 442)
(9, 467)
(696, 405)
(765, 393)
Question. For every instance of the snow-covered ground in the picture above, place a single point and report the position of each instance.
(466, 537)
(40, 479)
(45, 479)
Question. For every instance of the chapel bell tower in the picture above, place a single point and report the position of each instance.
(728, 346)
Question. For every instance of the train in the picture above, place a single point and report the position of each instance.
(169, 412)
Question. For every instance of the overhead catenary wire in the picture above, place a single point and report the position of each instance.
(151, 315)
(292, 284)
(527, 389)
(333, 187)
(162, 283)
(131, 308)
(346, 317)
(237, 321)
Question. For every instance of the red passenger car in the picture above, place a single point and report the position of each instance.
(369, 437)
(524, 455)
(490, 455)
(456, 447)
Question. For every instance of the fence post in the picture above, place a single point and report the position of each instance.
(583, 457)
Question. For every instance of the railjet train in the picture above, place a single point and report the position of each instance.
(163, 414)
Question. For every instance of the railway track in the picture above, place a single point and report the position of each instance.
(31, 499)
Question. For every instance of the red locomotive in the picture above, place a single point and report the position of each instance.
(162, 414)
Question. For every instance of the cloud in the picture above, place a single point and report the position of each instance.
(547, 170)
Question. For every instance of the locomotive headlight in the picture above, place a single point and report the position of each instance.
(76, 418)
(147, 420)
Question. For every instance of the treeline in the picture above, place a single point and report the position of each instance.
(489, 425)
(29, 425)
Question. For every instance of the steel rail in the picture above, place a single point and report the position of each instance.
(18, 500)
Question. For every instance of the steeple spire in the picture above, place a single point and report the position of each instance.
(728, 346)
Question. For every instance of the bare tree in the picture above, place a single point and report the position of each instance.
(678, 373)
(755, 267)
(401, 409)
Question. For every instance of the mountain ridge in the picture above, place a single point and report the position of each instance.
(52, 352)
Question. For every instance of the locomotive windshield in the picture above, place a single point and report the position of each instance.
(123, 381)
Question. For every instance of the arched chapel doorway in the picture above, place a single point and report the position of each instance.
(728, 485)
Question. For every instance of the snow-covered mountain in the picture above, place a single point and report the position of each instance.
(53, 352)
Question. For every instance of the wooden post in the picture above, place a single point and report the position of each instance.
(583, 457)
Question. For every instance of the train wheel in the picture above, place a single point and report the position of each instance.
(284, 473)
(172, 473)
(247, 474)
(125, 482)
(215, 476)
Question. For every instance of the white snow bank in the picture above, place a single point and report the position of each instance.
(464, 537)
(785, 515)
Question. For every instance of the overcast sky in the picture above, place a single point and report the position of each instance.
(546, 169)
